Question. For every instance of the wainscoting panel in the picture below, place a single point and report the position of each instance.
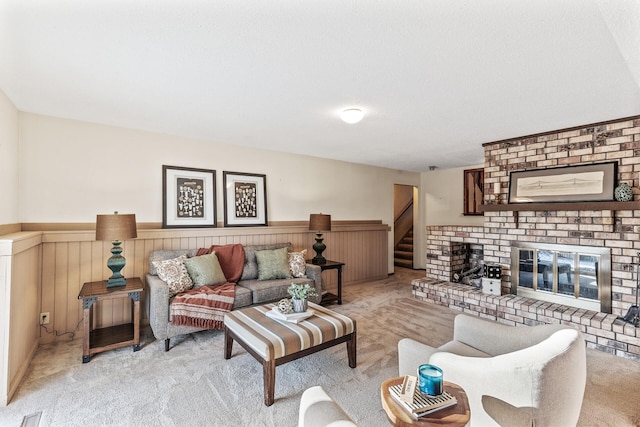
(71, 258)
(20, 258)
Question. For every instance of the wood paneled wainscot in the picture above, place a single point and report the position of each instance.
(20, 290)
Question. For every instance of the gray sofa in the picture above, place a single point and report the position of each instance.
(249, 290)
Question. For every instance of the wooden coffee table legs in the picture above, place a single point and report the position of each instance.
(269, 366)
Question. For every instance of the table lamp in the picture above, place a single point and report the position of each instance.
(116, 228)
(319, 223)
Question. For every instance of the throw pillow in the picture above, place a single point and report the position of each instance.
(273, 264)
(231, 259)
(204, 251)
(174, 273)
(297, 264)
(205, 270)
(250, 268)
(162, 255)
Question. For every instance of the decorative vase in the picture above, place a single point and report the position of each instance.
(623, 192)
(299, 305)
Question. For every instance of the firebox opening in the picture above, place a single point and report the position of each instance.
(467, 263)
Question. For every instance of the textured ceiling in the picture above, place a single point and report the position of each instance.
(436, 79)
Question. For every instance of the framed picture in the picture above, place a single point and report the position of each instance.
(245, 199)
(566, 184)
(188, 197)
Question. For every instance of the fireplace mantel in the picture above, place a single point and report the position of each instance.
(560, 206)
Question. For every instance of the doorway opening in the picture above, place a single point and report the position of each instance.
(403, 206)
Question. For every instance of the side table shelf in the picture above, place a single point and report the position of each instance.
(111, 337)
(328, 297)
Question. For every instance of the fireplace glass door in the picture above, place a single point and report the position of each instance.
(568, 272)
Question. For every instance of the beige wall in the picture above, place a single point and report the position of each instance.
(443, 197)
(8, 161)
(441, 201)
(70, 171)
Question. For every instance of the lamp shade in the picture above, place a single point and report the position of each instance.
(116, 227)
(319, 222)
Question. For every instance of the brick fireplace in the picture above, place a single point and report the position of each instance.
(594, 224)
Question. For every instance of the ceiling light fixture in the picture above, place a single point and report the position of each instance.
(352, 115)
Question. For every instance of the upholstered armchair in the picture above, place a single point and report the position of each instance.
(513, 376)
(318, 409)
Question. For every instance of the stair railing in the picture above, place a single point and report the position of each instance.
(403, 223)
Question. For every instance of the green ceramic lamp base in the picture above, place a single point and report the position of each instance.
(116, 263)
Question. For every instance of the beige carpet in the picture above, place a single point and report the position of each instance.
(192, 384)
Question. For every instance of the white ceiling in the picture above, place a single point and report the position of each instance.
(436, 78)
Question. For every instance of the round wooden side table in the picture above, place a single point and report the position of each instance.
(457, 415)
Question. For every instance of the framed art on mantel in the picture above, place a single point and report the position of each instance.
(245, 199)
(593, 182)
(188, 197)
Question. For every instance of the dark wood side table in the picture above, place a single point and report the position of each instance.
(331, 265)
(103, 339)
(454, 416)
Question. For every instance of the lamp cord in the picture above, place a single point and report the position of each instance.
(58, 334)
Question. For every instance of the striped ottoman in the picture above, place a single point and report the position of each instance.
(274, 342)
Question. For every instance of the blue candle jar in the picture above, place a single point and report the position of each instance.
(430, 380)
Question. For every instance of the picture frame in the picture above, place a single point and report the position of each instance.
(584, 183)
(188, 197)
(245, 199)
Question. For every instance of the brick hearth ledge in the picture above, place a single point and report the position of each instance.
(602, 331)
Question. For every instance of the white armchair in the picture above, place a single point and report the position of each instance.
(318, 409)
(513, 376)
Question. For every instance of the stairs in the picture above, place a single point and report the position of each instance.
(403, 252)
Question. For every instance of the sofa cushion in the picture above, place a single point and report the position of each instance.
(244, 297)
(297, 263)
(174, 274)
(273, 264)
(250, 268)
(205, 270)
(165, 255)
(271, 290)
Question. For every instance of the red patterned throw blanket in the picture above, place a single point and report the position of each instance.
(205, 306)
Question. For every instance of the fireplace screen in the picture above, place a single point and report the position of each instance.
(579, 276)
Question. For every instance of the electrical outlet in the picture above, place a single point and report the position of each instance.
(44, 318)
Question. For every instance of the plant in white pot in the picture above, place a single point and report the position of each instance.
(299, 294)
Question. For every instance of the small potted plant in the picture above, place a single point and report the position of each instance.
(299, 294)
